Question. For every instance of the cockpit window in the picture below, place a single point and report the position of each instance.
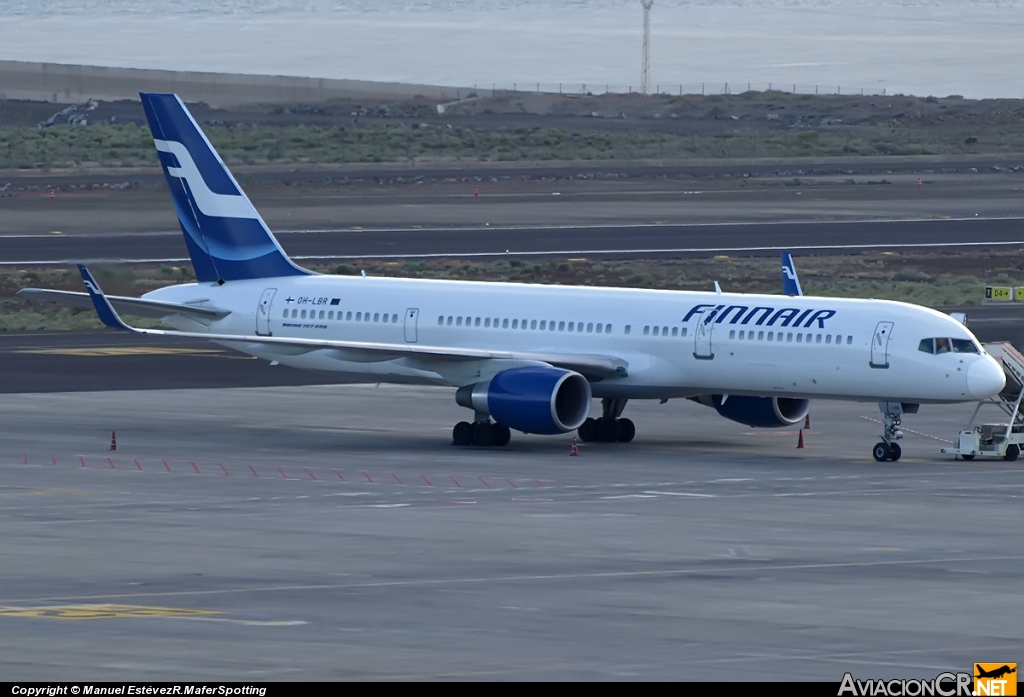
(964, 346)
(945, 345)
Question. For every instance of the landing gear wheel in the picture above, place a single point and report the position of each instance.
(607, 429)
(882, 451)
(895, 451)
(502, 435)
(626, 430)
(588, 430)
(462, 434)
(483, 434)
(1012, 452)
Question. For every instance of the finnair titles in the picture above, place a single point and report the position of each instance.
(532, 358)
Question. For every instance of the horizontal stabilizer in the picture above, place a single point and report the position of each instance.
(138, 307)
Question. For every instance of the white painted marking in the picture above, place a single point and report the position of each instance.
(682, 493)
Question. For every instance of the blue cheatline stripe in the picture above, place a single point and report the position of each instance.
(225, 236)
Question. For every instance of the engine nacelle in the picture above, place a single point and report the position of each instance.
(759, 412)
(538, 399)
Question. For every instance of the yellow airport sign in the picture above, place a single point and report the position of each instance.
(999, 294)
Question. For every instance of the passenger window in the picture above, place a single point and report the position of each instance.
(504, 324)
(571, 325)
(647, 330)
(664, 331)
(376, 317)
(771, 336)
(732, 333)
(789, 336)
(849, 340)
(551, 326)
(799, 338)
(458, 321)
(330, 315)
(760, 336)
(626, 330)
(285, 315)
(608, 330)
(742, 334)
(515, 324)
(655, 331)
(817, 339)
(579, 327)
(533, 324)
(487, 323)
(449, 321)
(675, 331)
(828, 338)
(366, 316)
(750, 336)
(561, 326)
(683, 333)
(476, 323)
(590, 327)
(543, 325)
(964, 346)
(394, 318)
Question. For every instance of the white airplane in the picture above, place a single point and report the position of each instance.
(531, 358)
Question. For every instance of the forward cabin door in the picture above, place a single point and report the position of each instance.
(411, 317)
(263, 312)
(880, 345)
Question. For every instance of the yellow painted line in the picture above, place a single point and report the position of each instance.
(101, 611)
(122, 351)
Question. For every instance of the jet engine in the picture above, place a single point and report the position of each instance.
(540, 399)
(759, 412)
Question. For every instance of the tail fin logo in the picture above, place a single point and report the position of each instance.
(211, 204)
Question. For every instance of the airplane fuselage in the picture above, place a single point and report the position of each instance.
(676, 343)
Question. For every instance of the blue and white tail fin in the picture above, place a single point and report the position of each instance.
(790, 282)
(226, 238)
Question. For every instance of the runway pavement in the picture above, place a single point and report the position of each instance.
(331, 532)
(610, 241)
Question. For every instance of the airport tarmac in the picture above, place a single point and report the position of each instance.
(331, 532)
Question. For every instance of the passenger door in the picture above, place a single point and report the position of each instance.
(263, 312)
(880, 345)
(411, 317)
(702, 336)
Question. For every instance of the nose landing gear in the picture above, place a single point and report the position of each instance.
(889, 449)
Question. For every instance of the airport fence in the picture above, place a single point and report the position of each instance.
(667, 89)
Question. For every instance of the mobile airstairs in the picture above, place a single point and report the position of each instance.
(1006, 439)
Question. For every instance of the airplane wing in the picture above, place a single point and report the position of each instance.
(129, 306)
(588, 365)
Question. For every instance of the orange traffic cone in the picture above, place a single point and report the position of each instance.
(800, 442)
(113, 440)
(807, 421)
(575, 449)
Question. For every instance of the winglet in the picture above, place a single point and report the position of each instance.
(103, 307)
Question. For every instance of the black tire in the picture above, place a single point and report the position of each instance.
(1012, 452)
(626, 430)
(587, 430)
(895, 451)
(502, 435)
(607, 430)
(462, 434)
(881, 451)
(483, 434)
(967, 457)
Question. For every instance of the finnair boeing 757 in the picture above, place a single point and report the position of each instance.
(531, 358)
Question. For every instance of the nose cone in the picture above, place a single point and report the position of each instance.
(985, 378)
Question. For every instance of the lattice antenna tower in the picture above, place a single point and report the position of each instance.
(645, 72)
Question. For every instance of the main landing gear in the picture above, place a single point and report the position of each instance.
(889, 449)
(481, 433)
(609, 428)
